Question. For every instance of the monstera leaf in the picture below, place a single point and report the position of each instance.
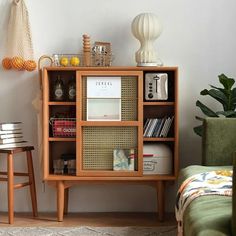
(226, 96)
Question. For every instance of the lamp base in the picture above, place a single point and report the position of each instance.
(150, 64)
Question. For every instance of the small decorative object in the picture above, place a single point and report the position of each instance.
(58, 89)
(86, 50)
(146, 28)
(19, 49)
(102, 54)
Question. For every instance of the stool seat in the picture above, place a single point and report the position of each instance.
(10, 178)
(16, 149)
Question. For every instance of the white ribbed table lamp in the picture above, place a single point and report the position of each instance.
(146, 28)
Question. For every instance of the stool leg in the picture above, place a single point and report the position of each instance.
(32, 183)
(10, 185)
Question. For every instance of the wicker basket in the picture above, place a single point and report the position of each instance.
(63, 127)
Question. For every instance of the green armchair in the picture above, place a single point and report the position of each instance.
(212, 215)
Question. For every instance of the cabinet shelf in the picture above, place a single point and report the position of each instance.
(158, 103)
(56, 139)
(159, 139)
(61, 103)
(110, 123)
(144, 178)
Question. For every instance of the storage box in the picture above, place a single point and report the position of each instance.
(63, 127)
(157, 159)
(153, 165)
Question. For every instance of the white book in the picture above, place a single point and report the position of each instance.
(160, 127)
(15, 131)
(11, 140)
(164, 127)
(168, 127)
(152, 127)
(10, 126)
(14, 145)
(16, 135)
(147, 128)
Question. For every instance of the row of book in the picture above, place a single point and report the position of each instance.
(11, 135)
(157, 127)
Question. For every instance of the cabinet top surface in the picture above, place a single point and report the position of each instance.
(113, 68)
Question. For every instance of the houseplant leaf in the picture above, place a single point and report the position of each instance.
(207, 111)
(226, 82)
(198, 130)
(218, 95)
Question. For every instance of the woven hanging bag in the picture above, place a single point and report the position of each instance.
(19, 54)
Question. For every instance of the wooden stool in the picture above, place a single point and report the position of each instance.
(10, 179)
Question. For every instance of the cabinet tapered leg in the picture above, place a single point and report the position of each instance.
(161, 200)
(60, 200)
(66, 199)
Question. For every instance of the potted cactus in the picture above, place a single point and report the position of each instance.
(226, 96)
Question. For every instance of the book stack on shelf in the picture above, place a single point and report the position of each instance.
(11, 135)
(157, 127)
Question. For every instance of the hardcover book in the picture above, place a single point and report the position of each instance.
(13, 145)
(10, 126)
(123, 159)
(11, 140)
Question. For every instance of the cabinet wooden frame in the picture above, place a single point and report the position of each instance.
(145, 110)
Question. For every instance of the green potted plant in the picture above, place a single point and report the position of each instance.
(226, 96)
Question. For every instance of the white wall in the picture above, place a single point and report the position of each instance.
(198, 36)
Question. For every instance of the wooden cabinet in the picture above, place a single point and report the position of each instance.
(90, 143)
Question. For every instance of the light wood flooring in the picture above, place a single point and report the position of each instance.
(88, 219)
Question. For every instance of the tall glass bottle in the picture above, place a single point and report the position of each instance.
(58, 89)
(72, 90)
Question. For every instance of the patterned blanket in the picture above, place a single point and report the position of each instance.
(207, 183)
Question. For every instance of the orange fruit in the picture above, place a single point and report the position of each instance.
(17, 63)
(6, 63)
(30, 65)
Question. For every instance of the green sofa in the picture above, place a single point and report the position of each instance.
(213, 215)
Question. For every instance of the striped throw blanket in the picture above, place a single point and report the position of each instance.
(207, 183)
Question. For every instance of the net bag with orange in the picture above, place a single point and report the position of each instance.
(19, 50)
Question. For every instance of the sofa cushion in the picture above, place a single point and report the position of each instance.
(207, 215)
(218, 141)
(233, 223)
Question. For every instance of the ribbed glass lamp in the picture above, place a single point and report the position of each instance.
(146, 28)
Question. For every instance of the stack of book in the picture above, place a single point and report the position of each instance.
(157, 127)
(11, 135)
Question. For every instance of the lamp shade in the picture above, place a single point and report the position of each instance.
(146, 28)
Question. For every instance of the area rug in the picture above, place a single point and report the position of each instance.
(89, 231)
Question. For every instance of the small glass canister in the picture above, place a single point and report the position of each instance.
(58, 166)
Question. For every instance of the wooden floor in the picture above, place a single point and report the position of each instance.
(88, 219)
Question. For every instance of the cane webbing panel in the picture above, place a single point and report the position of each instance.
(129, 98)
(99, 143)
